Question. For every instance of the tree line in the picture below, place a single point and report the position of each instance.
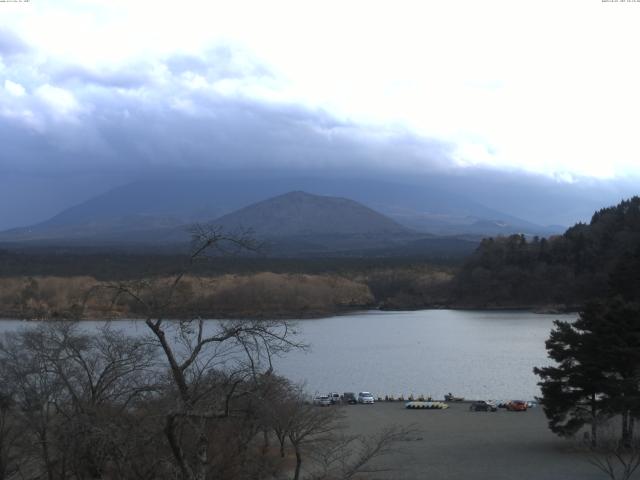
(568, 269)
(113, 264)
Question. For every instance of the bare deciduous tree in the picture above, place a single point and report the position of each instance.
(192, 349)
(10, 435)
(350, 456)
(615, 457)
(309, 425)
(72, 391)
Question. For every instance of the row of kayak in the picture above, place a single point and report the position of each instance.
(426, 405)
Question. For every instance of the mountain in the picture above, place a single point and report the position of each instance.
(303, 214)
(148, 210)
(293, 224)
(298, 223)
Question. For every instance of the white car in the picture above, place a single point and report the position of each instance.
(322, 400)
(365, 397)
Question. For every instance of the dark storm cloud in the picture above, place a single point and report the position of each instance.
(81, 131)
(135, 136)
(180, 113)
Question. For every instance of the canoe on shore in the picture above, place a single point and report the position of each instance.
(426, 405)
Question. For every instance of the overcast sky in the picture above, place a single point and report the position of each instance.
(108, 89)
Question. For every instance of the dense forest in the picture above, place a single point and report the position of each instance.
(120, 264)
(565, 270)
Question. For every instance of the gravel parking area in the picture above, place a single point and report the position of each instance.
(456, 444)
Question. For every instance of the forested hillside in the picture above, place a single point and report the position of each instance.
(584, 262)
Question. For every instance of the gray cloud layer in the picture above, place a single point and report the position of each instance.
(213, 111)
(81, 130)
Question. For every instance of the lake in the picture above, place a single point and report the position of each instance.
(475, 354)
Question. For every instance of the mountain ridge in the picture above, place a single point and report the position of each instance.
(175, 202)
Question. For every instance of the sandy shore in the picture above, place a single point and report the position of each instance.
(457, 444)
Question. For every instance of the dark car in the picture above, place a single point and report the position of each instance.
(483, 406)
(349, 398)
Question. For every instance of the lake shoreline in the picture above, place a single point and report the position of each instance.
(313, 315)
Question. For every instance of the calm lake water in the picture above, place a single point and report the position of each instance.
(475, 354)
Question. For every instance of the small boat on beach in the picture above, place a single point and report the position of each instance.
(426, 405)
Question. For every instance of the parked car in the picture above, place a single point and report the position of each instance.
(349, 398)
(334, 397)
(517, 406)
(482, 406)
(365, 397)
(450, 397)
(322, 400)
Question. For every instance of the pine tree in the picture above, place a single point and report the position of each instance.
(574, 390)
(619, 334)
(597, 375)
(625, 277)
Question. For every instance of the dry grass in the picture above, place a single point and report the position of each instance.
(258, 295)
(43, 297)
(282, 293)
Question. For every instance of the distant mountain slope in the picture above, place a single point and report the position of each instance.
(181, 201)
(185, 200)
(115, 230)
(301, 214)
(293, 224)
(151, 210)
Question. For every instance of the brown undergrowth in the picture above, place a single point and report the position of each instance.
(257, 295)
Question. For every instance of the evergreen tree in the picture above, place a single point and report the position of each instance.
(574, 390)
(597, 375)
(619, 334)
(625, 277)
